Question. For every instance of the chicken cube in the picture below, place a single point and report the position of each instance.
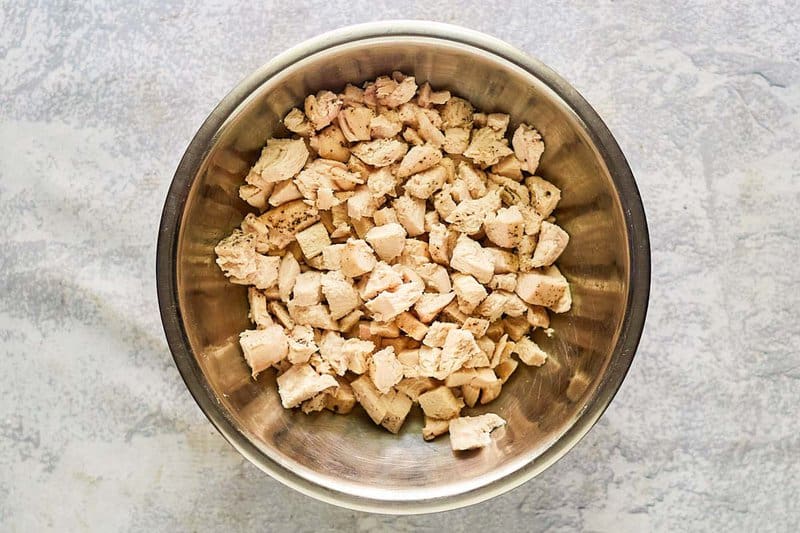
(362, 203)
(459, 347)
(435, 277)
(470, 293)
(362, 226)
(316, 316)
(385, 370)
(505, 228)
(470, 395)
(457, 112)
(552, 241)
(411, 214)
(307, 288)
(427, 130)
(516, 327)
(255, 196)
(470, 432)
(391, 93)
(493, 306)
(423, 184)
(340, 293)
(528, 147)
(280, 160)
(437, 334)
(300, 383)
(509, 166)
(456, 140)
(398, 405)
(440, 403)
(355, 123)
(498, 122)
(426, 97)
(330, 143)
(357, 353)
(278, 310)
(412, 137)
(340, 400)
(434, 428)
(441, 242)
(331, 352)
(505, 369)
(503, 282)
(380, 152)
(284, 191)
(429, 305)
(385, 126)
(388, 240)
(389, 304)
(357, 258)
(505, 262)
(465, 376)
(476, 326)
(370, 399)
(443, 201)
(414, 387)
(238, 259)
(529, 352)
(537, 316)
(296, 122)
(470, 258)
(332, 257)
(469, 215)
(411, 326)
(258, 308)
(313, 240)
(322, 108)
(301, 344)
(487, 147)
(543, 287)
(417, 159)
(288, 271)
(544, 195)
(263, 347)
(564, 303)
(384, 216)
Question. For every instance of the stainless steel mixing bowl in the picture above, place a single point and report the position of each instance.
(347, 460)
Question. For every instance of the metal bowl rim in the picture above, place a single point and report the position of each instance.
(633, 213)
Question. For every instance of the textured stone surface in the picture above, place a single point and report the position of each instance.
(97, 105)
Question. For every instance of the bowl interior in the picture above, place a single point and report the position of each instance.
(348, 453)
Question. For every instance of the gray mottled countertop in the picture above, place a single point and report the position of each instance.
(97, 104)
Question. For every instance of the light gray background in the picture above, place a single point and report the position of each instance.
(97, 105)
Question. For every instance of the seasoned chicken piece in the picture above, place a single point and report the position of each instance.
(470, 293)
(332, 257)
(476, 326)
(296, 122)
(263, 347)
(469, 215)
(362, 203)
(392, 94)
(491, 392)
(340, 400)
(255, 196)
(357, 258)
(479, 120)
(409, 358)
(465, 376)
(528, 147)
(382, 182)
(457, 112)
(252, 224)
(330, 143)
(280, 160)
(441, 242)
(443, 202)
(543, 287)
(430, 133)
(340, 293)
(544, 195)
(380, 152)
(287, 276)
(381, 278)
(509, 166)
(487, 147)
(362, 226)
(473, 178)
(511, 192)
(385, 370)
(505, 228)
(384, 216)
(537, 316)
(350, 320)
(352, 95)
(239, 261)
(415, 254)
(505, 262)
(313, 240)
(412, 137)
(414, 387)
(470, 258)
(434, 428)
(372, 329)
(411, 214)
(278, 310)
(498, 122)
(411, 326)
(385, 126)
(316, 316)
(429, 305)
(459, 190)
(503, 282)
(357, 166)
(516, 327)
(437, 334)
(389, 304)
(552, 241)
(456, 140)
(493, 306)
(470, 395)
(284, 191)
(423, 184)
(357, 353)
(370, 399)
(331, 358)
(470, 432)
(322, 108)
(431, 219)
(258, 308)
(325, 175)
(308, 288)
(440, 403)
(505, 369)
(300, 383)
(286, 220)
(459, 347)
(398, 406)
(529, 352)
(417, 159)
(301, 344)
(435, 277)
(355, 123)
(426, 97)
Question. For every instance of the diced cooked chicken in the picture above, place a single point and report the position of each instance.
(543, 287)
(307, 288)
(388, 240)
(525, 250)
(301, 344)
(476, 326)
(470, 432)
(544, 195)
(529, 352)
(457, 112)
(355, 123)
(263, 347)
(390, 93)
(254, 225)
(516, 327)
(503, 282)
(389, 304)
(340, 400)
(370, 399)
(278, 310)
(340, 293)
(330, 143)
(493, 306)
(362, 226)
(429, 305)
(459, 347)
(286, 220)
(385, 126)
(470, 258)
(280, 160)
(552, 242)
(313, 240)
(238, 259)
(332, 257)
(331, 355)
(288, 271)
(443, 201)
(322, 108)
(509, 167)
(357, 352)
(440, 243)
(505, 228)
(384, 216)
(381, 278)
(398, 405)
(357, 258)
(437, 334)
(469, 292)
(511, 192)
(498, 122)
(411, 214)
(435, 277)
(505, 262)
(440, 403)
(473, 179)
(434, 428)
(255, 196)
(424, 184)
(426, 96)
(429, 133)
(456, 140)
(459, 191)
(385, 370)
(528, 147)
(382, 182)
(352, 95)
(284, 191)
(487, 147)
(412, 137)
(296, 122)
(258, 308)
(408, 323)
(300, 383)
(465, 376)
(316, 316)
(373, 329)
(362, 203)
(415, 254)
(323, 176)
(417, 159)
(537, 316)
(469, 215)
(380, 152)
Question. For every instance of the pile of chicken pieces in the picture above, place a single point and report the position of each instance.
(403, 254)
